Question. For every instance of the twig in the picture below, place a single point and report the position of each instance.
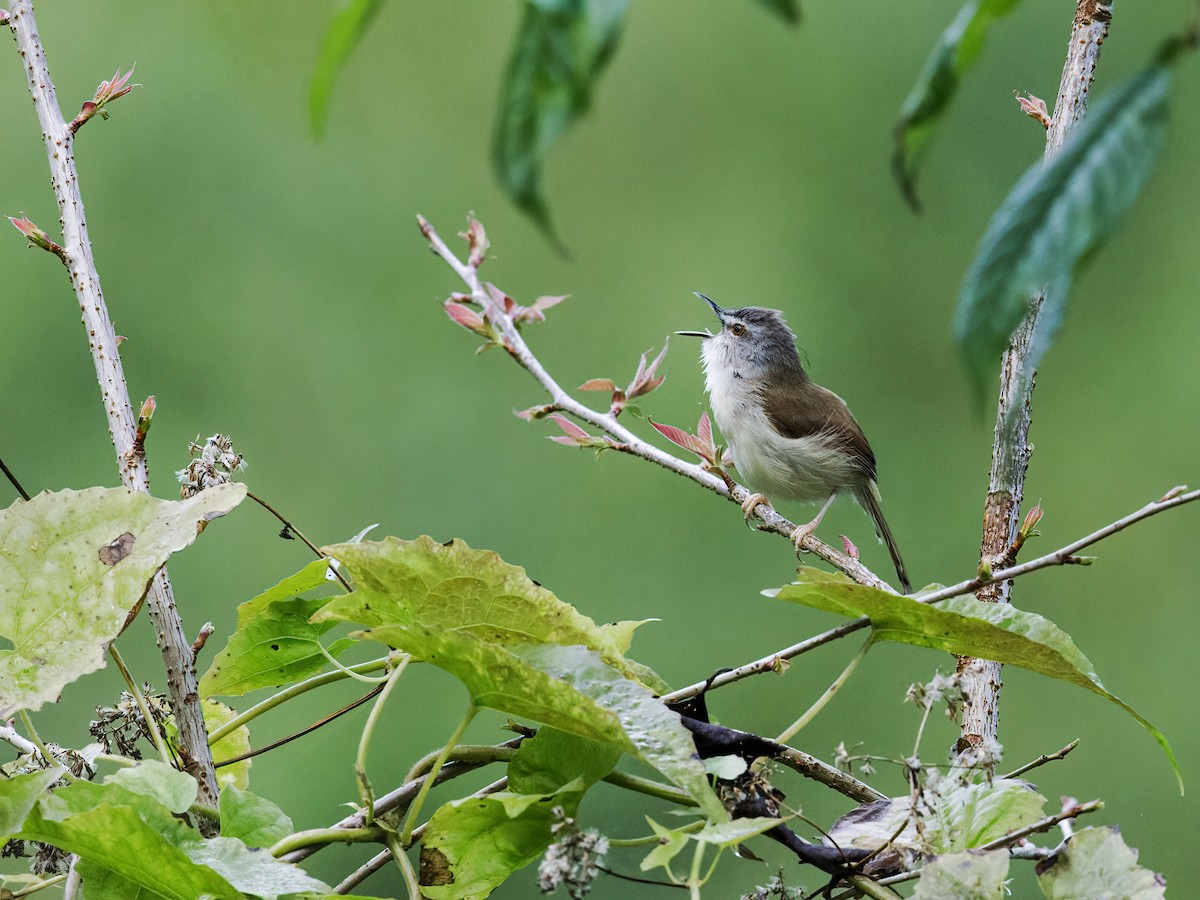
(10, 735)
(13, 481)
(122, 425)
(624, 440)
(636, 880)
(298, 533)
(363, 872)
(1042, 760)
(1011, 449)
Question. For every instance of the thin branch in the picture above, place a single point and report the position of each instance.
(11, 736)
(1011, 449)
(1042, 760)
(13, 481)
(363, 872)
(298, 533)
(59, 141)
(623, 440)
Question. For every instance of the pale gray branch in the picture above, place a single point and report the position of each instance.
(76, 255)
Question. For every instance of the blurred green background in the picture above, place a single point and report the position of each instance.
(276, 289)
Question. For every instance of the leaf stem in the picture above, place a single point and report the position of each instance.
(365, 834)
(298, 533)
(51, 761)
(414, 810)
(294, 691)
(811, 713)
(366, 795)
(151, 725)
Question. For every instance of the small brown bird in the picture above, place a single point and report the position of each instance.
(791, 439)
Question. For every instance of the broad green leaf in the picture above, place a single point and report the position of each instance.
(18, 795)
(966, 875)
(671, 842)
(562, 47)
(343, 35)
(472, 591)
(473, 845)
(976, 814)
(254, 820)
(72, 566)
(234, 744)
(274, 643)
(955, 51)
(479, 844)
(729, 834)
(963, 625)
(789, 10)
(1057, 216)
(173, 789)
(1098, 865)
(105, 884)
(253, 872)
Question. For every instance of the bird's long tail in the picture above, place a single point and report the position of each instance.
(868, 498)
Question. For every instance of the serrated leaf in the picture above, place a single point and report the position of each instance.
(456, 587)
(562, 47)
(234, 744)
(788, 10)
(72, 566)
(173, 789)
(967, 875)
(274, 643)
(963, 625)
(956, 49)
(1057, 216)
(342, 36)
(252, 819)
(1097, 864)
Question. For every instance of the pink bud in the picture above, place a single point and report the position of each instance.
(466, 317)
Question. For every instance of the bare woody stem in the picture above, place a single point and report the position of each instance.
(1011, 449)
(625, 441)
(122, 423)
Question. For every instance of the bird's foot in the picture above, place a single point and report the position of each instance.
(751, 503)
(801, 533)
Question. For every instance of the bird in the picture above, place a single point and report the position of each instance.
(790, 438)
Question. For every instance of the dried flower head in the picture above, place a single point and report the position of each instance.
(574, 859)
(214, 463)
(120, 727)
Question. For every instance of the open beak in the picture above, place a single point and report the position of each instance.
(704, 334)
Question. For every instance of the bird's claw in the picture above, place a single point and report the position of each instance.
(751, 503)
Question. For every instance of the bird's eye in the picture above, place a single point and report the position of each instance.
(738, 328)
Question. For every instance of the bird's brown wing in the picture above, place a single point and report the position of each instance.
(807, 410)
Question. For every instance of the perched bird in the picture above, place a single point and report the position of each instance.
(791, 439)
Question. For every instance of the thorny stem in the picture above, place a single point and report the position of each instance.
(366, 795)
(625, 440)
(294, 691)
(151, 725)
(76, 255)
(1011, 449)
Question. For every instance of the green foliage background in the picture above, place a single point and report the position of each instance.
(277, 289)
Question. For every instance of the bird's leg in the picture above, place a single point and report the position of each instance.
(803, 531)
(748, 506)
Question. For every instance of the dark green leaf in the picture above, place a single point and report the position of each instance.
(1055, 217)
(73, 564)
(962, 625)
(562, 47)
(1097, 863)
(345, 31)
(552, 759)
(274, 642)
(957, 48)
(789, 10)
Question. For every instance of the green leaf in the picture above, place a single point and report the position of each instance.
(173, 789)
(671, 842)
(234, 744)
(274, 643)
(967, 875)
(105, 884)
(18, 794)
(1097, 863)
(552, 759)
(253, 872)
(252, 819)
(955, 51)
(789, 10)
(343, 35)
(455, 587)
(72, 566)
(1057, 216)
(562, 47)
(975, 814)
(963, 625)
